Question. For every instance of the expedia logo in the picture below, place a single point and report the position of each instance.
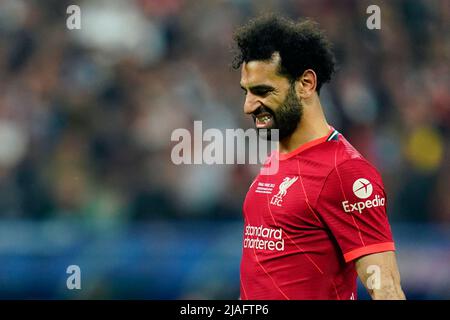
(363, 189)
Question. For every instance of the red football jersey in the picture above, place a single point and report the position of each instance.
(305, 224)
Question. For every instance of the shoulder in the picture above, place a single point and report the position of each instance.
(351, 164)
(342, 155)
(347, 169)
(335, 154)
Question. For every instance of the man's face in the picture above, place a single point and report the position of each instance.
(270, 98)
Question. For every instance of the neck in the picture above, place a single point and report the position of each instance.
(313, 125)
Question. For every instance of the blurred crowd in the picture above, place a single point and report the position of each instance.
(86, 115)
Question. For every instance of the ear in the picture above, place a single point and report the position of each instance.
(306, 84)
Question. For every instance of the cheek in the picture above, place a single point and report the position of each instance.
(273, 103)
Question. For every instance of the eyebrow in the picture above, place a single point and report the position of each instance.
(260, 87)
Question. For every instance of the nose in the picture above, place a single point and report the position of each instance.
(251, 103)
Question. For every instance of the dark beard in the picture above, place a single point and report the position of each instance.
(286, 118)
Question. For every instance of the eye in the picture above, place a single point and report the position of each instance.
(261, 92)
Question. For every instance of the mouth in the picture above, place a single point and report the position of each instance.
(264, 120)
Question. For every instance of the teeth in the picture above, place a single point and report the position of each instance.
(265, 118)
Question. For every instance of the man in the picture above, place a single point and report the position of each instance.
(320, 221)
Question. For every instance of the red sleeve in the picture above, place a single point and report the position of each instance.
(352, 204)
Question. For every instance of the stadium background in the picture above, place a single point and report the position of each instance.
(85, 123)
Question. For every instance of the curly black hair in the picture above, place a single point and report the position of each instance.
(301, 46)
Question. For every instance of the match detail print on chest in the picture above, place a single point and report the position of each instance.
(275, 189)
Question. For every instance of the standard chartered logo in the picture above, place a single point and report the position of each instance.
(261, 238)
(363, 189)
